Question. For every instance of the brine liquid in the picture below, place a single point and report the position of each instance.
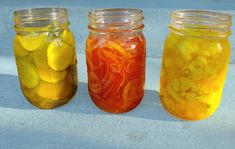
(46, 64)
(192, 75)
(116, 71)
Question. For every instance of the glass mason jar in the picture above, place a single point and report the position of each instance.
(44, 50)
(194, 65)
(115, 57)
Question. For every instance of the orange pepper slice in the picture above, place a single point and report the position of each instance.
(108, 82)
(134, 65)
(113, 89)
(110, 56)
(115, 46)
(94, 82)
(133, 90)
(104, 70)
(89, 63)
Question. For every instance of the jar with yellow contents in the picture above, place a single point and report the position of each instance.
(44, 50)
(194, 65)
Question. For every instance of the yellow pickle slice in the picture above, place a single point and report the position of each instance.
(32, 41)
(60, 90)
(49, 75)
(27, 74)
(19, 51)
(67, 37)
(60, 55)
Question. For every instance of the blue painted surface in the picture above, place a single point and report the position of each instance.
(79, 124)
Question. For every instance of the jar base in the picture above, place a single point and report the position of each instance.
(116, 111)
(184, 118)
(51, 104)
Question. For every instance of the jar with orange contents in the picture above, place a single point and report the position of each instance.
(115, 57)
(194, 65)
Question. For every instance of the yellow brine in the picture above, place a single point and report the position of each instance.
(194, 64)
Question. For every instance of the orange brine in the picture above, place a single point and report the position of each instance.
(116, 70)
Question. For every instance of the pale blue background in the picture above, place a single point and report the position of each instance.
(80, 124)
(156, 17)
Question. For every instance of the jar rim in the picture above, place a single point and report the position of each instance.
(116, 20)
(211, 23)
(113, 12)
(40, 11)
(40, 18)
(211, 15)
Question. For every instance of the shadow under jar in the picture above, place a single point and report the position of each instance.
(194, 65)
(44, 50)
(115, 57)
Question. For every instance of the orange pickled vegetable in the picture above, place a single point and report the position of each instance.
(116, 72)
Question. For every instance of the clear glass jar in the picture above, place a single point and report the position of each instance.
(194, 65)
(44, 49)
(115, 56)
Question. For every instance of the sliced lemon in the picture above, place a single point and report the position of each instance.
(59, 55)
(49, 75)
(19, 51)
(68, 37)
(31, 42)
(27, 74)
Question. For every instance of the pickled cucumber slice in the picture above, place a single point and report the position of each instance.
(67, 37)
(31, 42)
(60, 55)
(49, 75)
(19, 51)
(27, 74)
(94, 82)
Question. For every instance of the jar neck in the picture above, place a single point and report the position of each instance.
(199, 23)
(116, 20)
(41, 19)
